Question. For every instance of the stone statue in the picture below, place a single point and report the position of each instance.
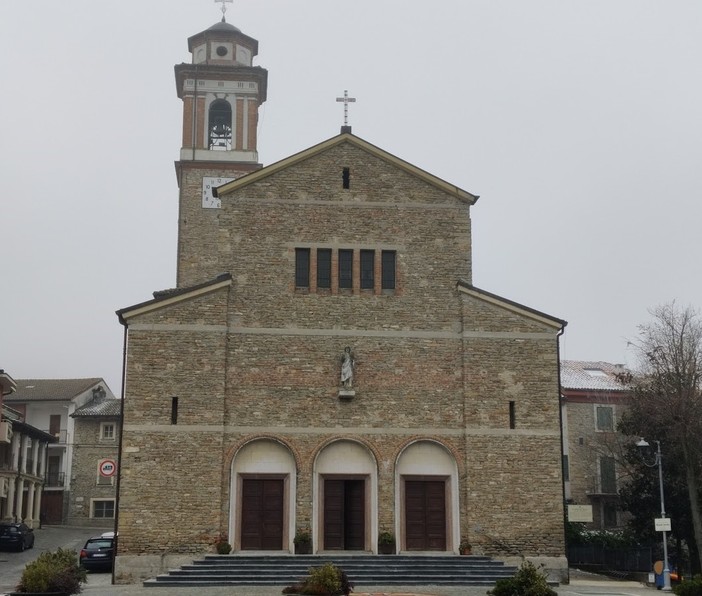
(347, 364)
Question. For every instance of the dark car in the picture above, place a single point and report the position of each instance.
(16, 536)
(98, 554)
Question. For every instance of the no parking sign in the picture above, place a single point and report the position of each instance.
(108, 467)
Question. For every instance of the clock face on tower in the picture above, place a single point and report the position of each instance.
(208, 184)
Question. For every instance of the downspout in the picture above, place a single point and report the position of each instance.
(121, 434)
(560, 423)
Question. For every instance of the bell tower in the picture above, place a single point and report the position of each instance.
(221, 92)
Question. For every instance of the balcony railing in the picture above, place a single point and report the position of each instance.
(55, 479)
(61, 435)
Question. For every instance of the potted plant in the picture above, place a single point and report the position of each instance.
(57, 573)
(222, 545)
(386, 543)
(303, 542)
(465, 548)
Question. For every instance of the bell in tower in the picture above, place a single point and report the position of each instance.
(221, 92)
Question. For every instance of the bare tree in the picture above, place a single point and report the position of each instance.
(668, 393)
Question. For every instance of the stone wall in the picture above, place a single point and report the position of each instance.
(88, 450)
(261, 359)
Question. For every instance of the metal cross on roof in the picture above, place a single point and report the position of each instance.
(224, 6)
(346, 100)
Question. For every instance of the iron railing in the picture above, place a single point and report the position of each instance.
(616, 559)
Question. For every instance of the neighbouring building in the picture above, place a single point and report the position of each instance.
(48, 404)
(95, 456)
(593, 399)
(325, 363)
(22, 462)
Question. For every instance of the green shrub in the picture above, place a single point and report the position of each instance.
(691, 587)
(528, 581)
(53, 572)
(578, 535)
(221, 544)
(327, 580)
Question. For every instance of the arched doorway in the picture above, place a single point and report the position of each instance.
(263, 486)
(426, 494)
(345, 498)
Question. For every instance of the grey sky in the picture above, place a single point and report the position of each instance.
(578, 124)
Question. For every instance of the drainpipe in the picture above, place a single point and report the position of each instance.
(121, 433)
(560, 422)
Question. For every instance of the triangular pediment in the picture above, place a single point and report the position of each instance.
(520, 310)
(170, 298)
(359, 143)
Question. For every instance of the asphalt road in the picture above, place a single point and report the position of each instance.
(48, 538)
(53, 537)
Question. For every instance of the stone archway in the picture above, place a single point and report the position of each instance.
(262, 502)
(345, 504)
(426, 498)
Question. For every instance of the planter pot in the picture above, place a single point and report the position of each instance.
(386, 549)
(304, 548)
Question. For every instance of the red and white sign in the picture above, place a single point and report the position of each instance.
(108, 468)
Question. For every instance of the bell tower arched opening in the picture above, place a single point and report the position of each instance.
(220, 126)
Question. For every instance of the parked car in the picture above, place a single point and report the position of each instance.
(98, 554)
(16, 536)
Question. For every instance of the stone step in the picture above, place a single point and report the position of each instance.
(362, 570)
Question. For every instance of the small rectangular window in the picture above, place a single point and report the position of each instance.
(605, 418)
(346, 178)
(104, 509)
(608, 479)
(388, 269)
(566, 469)
(512, 415)
(324, 267)
(107, 431)
(367, 269)
(174, 410)
(302, 267)
(346, 269)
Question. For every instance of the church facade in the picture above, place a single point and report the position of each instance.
(325, 364)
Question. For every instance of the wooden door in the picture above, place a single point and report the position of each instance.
(344, 514)
(262, 514)
(425, 515)
(51, 509)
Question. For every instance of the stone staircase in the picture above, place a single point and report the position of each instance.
(362, 570)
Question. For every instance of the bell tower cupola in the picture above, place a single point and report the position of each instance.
(221, 92)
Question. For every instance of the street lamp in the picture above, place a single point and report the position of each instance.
(659, 461)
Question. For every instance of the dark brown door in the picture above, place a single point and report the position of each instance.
(55, 424)
(51, 511)
(262, 514)
(344, 514)
(425, 512)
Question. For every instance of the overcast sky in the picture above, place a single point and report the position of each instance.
(577, 123)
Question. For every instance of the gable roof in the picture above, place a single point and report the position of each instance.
(587, 375)
(110, 407)
(168, 297)
(532, 313)
(7, 383)
(50, 389)
(347, 137)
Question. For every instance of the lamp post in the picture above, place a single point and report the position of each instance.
(659, 461)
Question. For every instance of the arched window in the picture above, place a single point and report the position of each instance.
(220, 126)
